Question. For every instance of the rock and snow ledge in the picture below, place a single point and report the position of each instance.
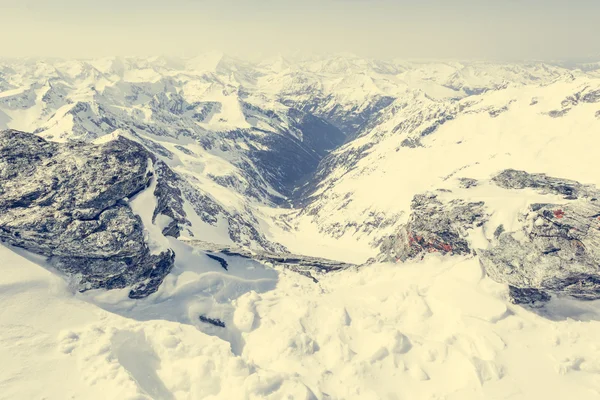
(552, 246)
(70, 203)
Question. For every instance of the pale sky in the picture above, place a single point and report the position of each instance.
(481, 29)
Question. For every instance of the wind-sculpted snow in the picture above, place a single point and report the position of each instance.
(432, 329)
(69, 202)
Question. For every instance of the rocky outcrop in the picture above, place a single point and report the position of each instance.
(169, 200)
(69, 202)
(513, 179)
(434, 226)
(556, 250)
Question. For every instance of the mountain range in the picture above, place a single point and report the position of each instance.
(317, 227)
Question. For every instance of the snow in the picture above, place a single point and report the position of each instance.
(143, 205)
(423, 330)
(305, 238)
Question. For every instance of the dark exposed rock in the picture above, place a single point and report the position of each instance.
(242, 227)
(412, 143)
(527, 296)
(220, 260)
(185, 150)
(591, 97)
(169, 200)
(558, 113)
(68, 202)
(573, 100)
(499, 230)
(513, 179)
(301, 264)
(497, 111)
(213, 321)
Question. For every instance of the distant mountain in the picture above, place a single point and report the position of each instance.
(259, 138)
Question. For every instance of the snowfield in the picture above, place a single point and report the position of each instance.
(438, 329)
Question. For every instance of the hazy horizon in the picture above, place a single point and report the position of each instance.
(381, 29)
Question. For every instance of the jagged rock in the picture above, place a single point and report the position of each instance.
(558, 113)
(169, 200)
(242, 228)
(592, 97)
(69, 202)
(434, 226)
(497, 111)
(555, 251)
(513, 179)
(527, 296)
(412, 143)
(558, 248)
(304, 265)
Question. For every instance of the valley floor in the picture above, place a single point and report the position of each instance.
(437, 329)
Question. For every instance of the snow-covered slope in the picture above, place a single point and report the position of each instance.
(363, 189)
(210, 126)
(434, 329)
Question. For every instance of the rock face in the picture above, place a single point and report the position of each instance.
(169, 200)
(69, 202)
(555, 251)
(513, 179)
(434, 226)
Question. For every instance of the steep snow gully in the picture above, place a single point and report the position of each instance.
(326, 228)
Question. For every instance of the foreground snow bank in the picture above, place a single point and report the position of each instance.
(55, 345)
(435, 329)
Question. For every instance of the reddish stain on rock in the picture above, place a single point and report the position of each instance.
(559, 213)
